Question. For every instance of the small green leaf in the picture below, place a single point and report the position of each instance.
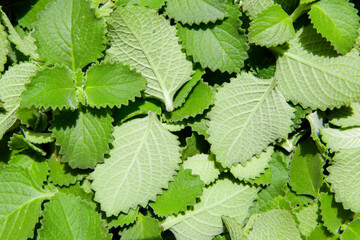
(316, 123)
(18, 143)
(346, 116)
(123, 219)
(153, 4)
(77, 190)
(3, 47)
(31, 16)
(36, 137)
(253, 7)
(352, 231)
(307, 218)
(202, 165)
(234, 229)
(272, 27)
(144, 228)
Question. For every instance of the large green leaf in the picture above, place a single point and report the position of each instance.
(144, 159)
(248, 115)
(310, 74)
(336, 139)
(227, 40)
(202, 165)
(68, 32)
(83, 135)
(138, 36)
(68, 217)
(204, 221)
(254, 7)
(196, 11)
(12, 84)
(337, 21)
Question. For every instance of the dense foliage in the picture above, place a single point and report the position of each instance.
(196, 119)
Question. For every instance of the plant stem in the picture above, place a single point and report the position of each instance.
(300, 10)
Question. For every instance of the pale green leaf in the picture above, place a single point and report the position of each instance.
(307, 218)
(144, 159)
(51, 87)
(20, 203)
(202, 165)
(154, 4)
(68, 217)
(174, 127)
(144, 228)
(248, 115)
(234, 229)
(112, 84)
(204, 221)
(200, 126)
(316, 123)
(352, 231)
(31, 16)
(254, 167)
(345, 178)
(346, 116)
(83, 136)
(12, 84)
(306, 175)
(123, 219)
(254, 7)
(272, 27)
(228, 43)
(68, 32)
(83, 191)
(196, 11)
(3, 47)
(182, 192)
(18, 143)
(336, 139)
(138, 36)
(337, 21)
(310, 74)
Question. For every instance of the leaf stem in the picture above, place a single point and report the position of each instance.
(300, 10)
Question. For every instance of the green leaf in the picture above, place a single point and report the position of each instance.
(320, 232)
(295, 199)
(222, 198)
(337, 21)
(20, 203)
(144, 159)
(346, 116)
(336, 139)
(310, 74)
(51, 88)
(253, 7)
(202, 165)
(194, 145)
(144, 228)
(352, 231)
(12, 84)
(288, 5)
(345, 178)
(69, 217)
(200, 126)
(153, 4)
(249, 114)
(65, 32)
(33, 118)
(3, 47)
(307, 218)
(254, 167)
(36, 137)
(306, 175)
(182, 192)
(123, 219)
(275, 224)
(196, 11)
(228, 43)
(272, 27)
(83, 136)
(138, 36)
(199, 99)
(31, 16)
(83, 191)
(234, 229)
(112, 84)
(316, 123)
(18, 143)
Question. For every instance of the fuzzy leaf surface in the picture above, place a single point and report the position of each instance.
(254, 7)
(144, 228)
(346, 116)
(336, 139)
(202, 165)
(248, 115)
(235, 229)
(307, 218)
(144, 159)
(138, 36)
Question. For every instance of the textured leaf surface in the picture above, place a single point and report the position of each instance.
(337, 21)
(66, 31)
(154, 4)
(345, 178)
(83, 136)
(36, 137)
(196, 11)
(123, 219)
(138, 36)
(181, 193)
(202, 165)
(341, 138)
(306, 175)
(228, 43)
(51, 87)
(254, 7)
(316, 123)
(18, 143)
(272, 27)
(68, 217)
(144, 228)
(20, 203)
(12, 84)
(346, 116)
(112, 85)
(204, 221)
(143, 160)
(235, 229)
(3, 47)
(248, 115)
(307, 77)
(275, 224)
(307, 219)
(352, 231)
(32, 15)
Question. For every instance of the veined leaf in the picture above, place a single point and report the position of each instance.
(112, 84)
(69, 217)
(227, 40)
(315, 81)
(83, 135)
(307, 218)
(3, 47)
(352, 230)
(18, 143)
(123, 219)
(337, 21)
(336, 139)
(12, 84)
(36, 137)
(248, 115)
(65, 32)
(196, 11)
(254, 7)
(144, 228)
(345, 178)
(144, 159)
(346, 116)
(138, 36)
(204, 221)
(202, 165)
(235, 229)
(153, 4)
(272, 27)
